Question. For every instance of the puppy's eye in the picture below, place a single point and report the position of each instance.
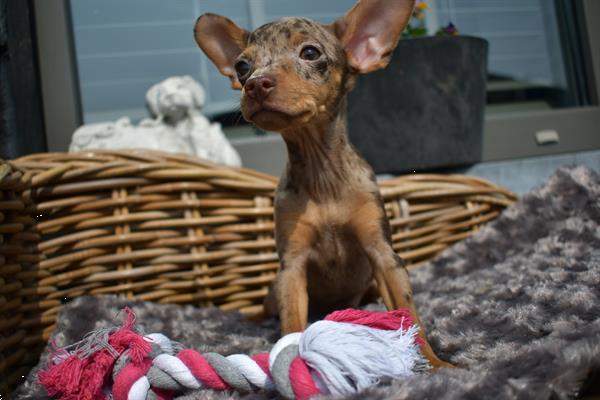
(310, 53)
(242, 68)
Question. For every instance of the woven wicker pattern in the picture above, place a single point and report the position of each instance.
(173, 229)
(17, 277)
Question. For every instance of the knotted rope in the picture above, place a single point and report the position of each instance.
(346, 352)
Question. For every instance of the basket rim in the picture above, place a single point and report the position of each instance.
(56, 165)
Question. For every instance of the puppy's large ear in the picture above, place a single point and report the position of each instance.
(370, 31)
(222, 41)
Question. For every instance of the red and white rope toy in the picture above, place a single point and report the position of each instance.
(346, 352)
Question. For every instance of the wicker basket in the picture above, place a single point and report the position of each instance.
(18, 256)
(174, 229)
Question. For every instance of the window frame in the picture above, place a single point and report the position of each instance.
(578, 127)
(58, 72)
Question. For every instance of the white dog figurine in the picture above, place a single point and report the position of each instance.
(177, 126)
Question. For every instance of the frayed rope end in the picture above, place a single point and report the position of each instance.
(80, 371)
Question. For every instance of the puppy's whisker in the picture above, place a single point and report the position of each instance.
(238, 119)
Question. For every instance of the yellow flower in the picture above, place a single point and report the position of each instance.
(422, 6)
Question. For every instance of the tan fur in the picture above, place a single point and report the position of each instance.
(333, 238)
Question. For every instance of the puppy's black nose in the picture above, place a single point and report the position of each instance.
(260, 87)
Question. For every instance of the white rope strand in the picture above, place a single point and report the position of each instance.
(177, 370)
(251, 370)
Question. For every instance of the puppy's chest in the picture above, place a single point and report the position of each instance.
(329, 234)
(329, 227)
(338, 268)
(328, 214)
(327, 218)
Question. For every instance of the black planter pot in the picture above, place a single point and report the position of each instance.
(425, 110)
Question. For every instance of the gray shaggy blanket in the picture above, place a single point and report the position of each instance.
(516, 307)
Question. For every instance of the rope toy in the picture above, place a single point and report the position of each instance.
(346, 352)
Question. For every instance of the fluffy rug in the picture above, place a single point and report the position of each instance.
(516, 307)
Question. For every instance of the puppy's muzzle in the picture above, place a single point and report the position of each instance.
(259, 88)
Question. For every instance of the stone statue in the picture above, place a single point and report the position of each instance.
(177, 126)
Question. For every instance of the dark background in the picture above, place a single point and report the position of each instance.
(21, 117)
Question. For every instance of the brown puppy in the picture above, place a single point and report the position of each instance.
(332, 234)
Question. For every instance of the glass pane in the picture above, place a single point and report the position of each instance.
(528, 47)
(124, 47)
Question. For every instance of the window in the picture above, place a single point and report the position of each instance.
(542, 66)
(124, 47)
(531, 62)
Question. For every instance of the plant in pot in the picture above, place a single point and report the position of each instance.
(425, 111)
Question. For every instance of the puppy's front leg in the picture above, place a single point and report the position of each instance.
(394, 285)
(292, 298)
